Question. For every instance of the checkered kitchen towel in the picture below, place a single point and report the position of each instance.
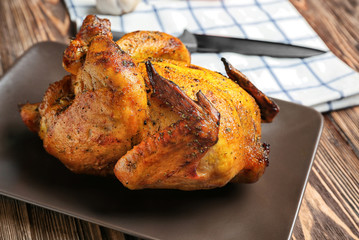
(323, 82)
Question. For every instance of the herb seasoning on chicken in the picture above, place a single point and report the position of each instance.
(140, 110)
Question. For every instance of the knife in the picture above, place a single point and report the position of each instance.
(215, 44)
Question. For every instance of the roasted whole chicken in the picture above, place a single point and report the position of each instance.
(137, 108)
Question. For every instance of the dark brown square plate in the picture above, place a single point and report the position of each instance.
(264, 210)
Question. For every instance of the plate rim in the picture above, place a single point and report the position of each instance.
(126, 230)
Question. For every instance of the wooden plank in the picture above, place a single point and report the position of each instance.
(14, 221)
(47, 224)
(330, 208)
(348, 123)
(108, 234)
(24, 23)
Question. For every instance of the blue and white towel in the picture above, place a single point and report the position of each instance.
(323, 82)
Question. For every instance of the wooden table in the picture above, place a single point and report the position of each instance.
(330, 208)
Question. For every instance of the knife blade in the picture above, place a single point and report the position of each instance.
(215, 44)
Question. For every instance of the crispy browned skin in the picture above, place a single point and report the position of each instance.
(169, 158)
(269, 109)
(91, 119)
(75, 53)
(30, 116)
(105, 117)
(142, 45)
(239, 148)
(159, 121)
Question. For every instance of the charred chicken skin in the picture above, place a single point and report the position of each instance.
(140, 110)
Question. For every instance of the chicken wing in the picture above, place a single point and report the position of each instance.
(169, 158)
